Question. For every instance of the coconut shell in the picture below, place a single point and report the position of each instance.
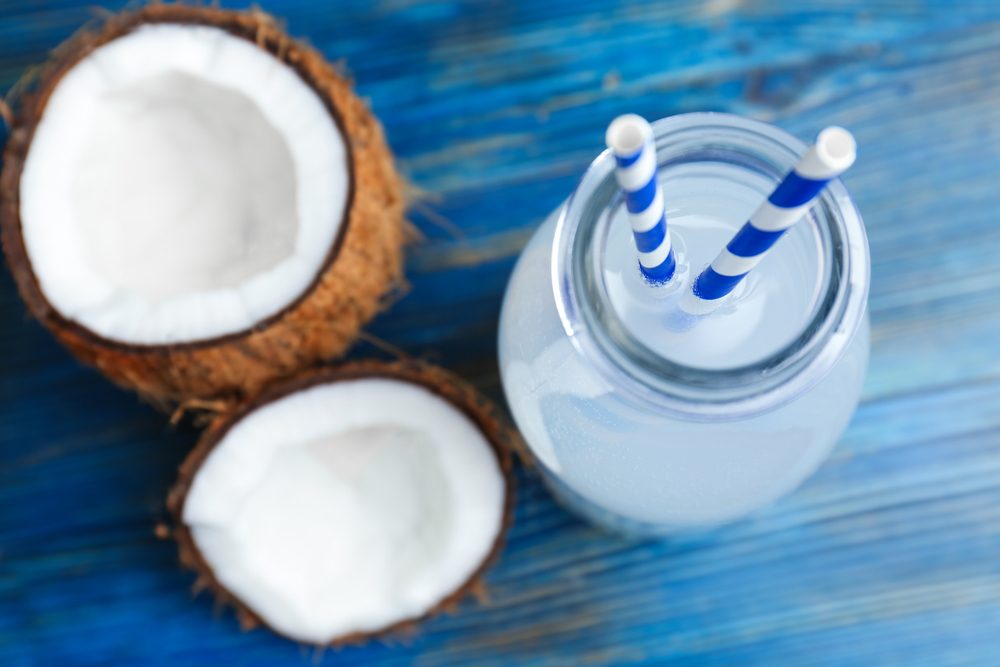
(483, 413)
(360, 273)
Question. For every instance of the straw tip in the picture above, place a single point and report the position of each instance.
(627, 134)
(836, 148)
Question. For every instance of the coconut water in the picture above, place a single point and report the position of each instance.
(625, 464)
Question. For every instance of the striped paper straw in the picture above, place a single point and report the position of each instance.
(830, 156)
(630, 138)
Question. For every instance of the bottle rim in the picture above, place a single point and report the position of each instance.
(686, 391)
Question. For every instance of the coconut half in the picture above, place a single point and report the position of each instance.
(196, 203)
(347, 502)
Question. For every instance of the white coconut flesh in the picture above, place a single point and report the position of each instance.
(347, 507)
(182, 184)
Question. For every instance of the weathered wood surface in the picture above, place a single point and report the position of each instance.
(889, 555)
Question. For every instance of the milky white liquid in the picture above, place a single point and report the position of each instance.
(627, 465)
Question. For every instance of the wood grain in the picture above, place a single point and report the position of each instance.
(888, 556)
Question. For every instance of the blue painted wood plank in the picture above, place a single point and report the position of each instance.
(887, 556)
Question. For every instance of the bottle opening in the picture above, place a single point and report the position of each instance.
(709, 201)
(779, 332)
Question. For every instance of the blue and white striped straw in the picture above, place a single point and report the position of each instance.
(831, 155)
(630, 139)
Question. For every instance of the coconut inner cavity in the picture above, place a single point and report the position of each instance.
(182, 184)
(211, 181)
(347, 507)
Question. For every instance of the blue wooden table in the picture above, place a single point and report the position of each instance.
(889, 555)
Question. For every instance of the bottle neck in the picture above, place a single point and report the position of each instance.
(636, 371)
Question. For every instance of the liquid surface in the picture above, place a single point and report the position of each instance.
(765, 312)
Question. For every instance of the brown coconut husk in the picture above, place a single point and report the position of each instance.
(357, 279)
(483, 413)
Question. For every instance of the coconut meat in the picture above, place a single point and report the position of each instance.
(182, 184)
(347, 507)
